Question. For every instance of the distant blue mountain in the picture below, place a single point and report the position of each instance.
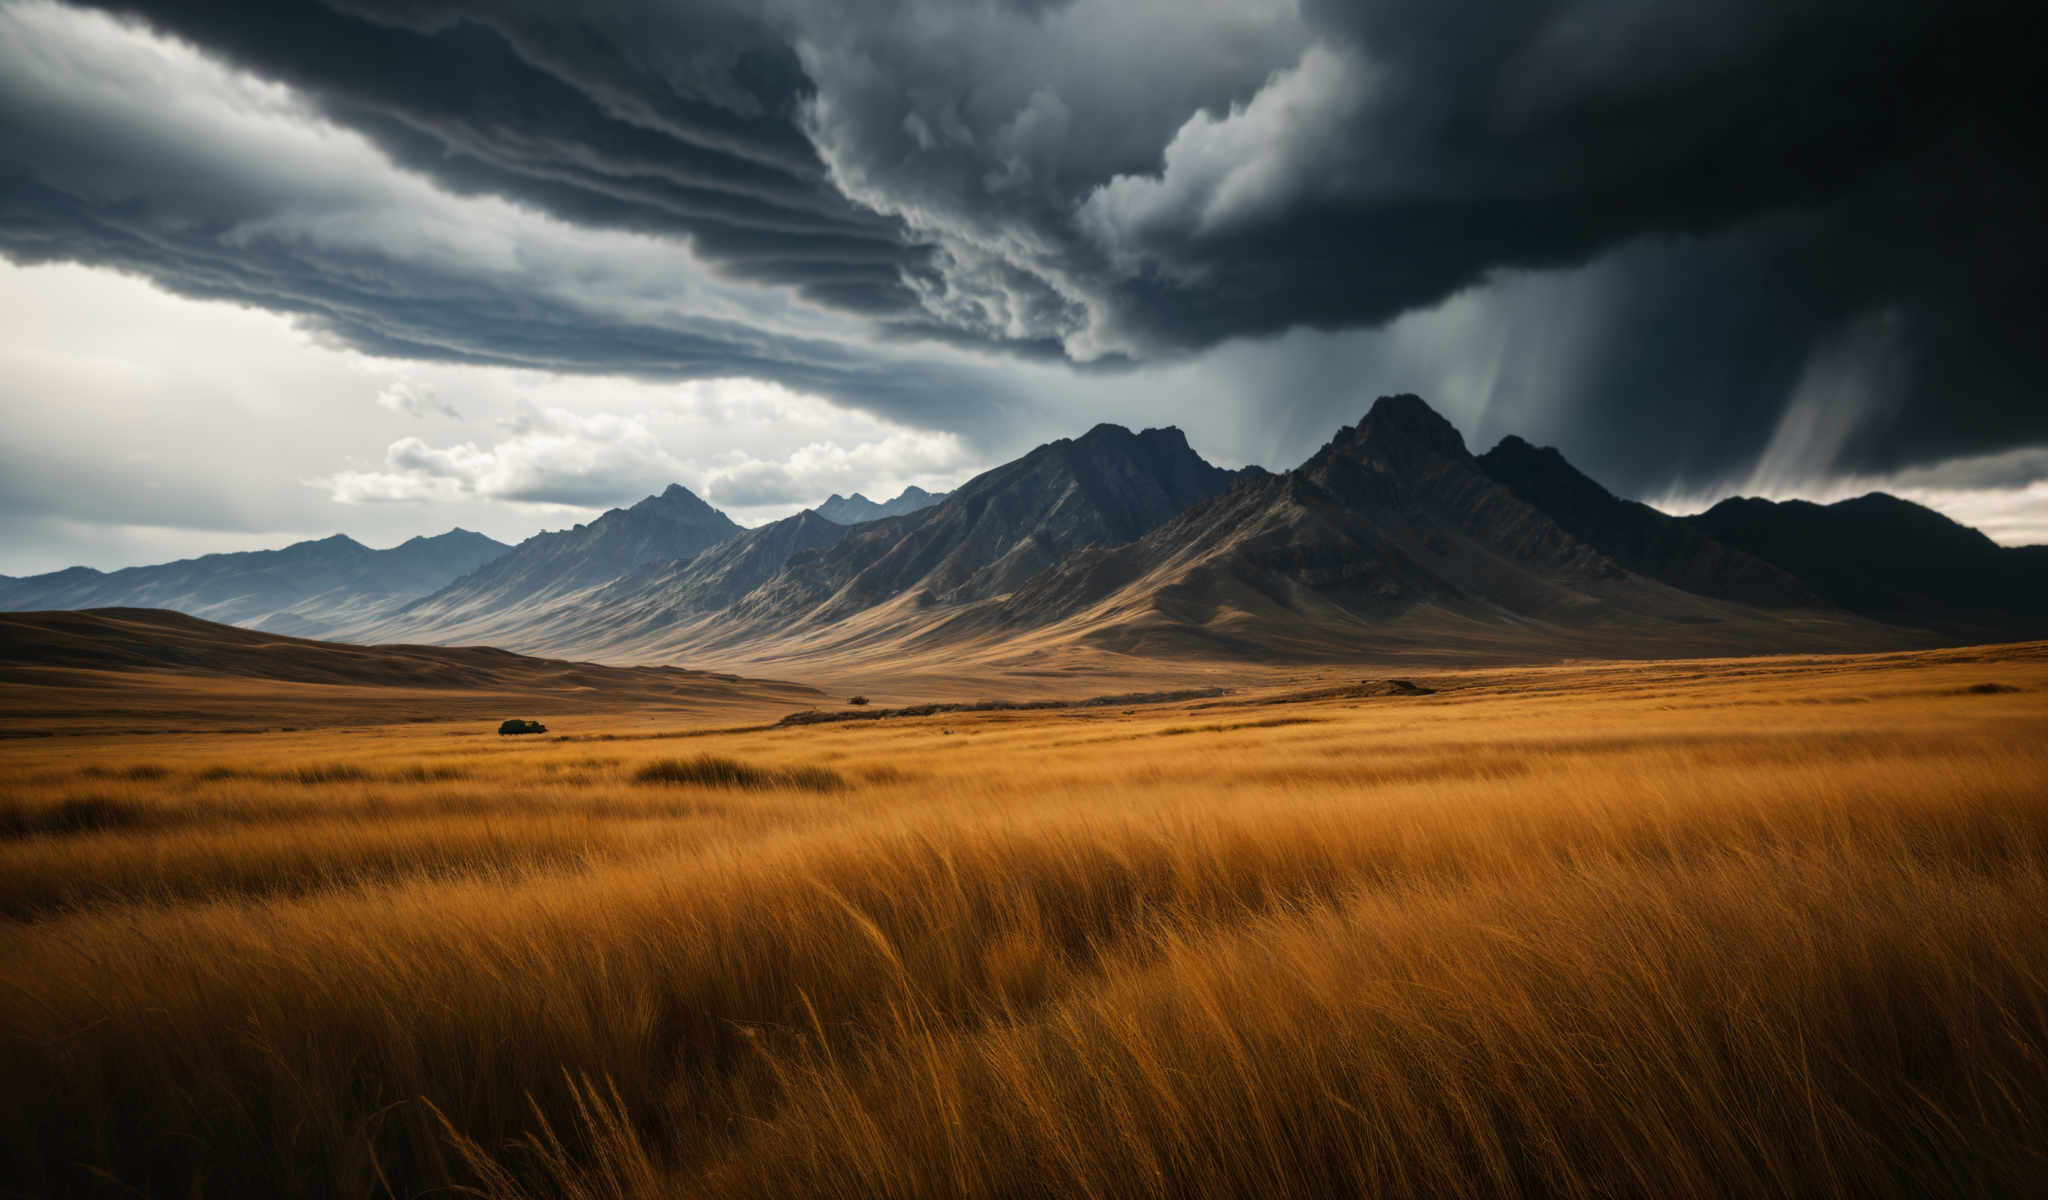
(306, 589)
(858, 509)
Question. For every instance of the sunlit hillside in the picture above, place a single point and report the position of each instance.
(1742, 927)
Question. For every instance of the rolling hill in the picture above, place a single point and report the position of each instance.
(149, 669)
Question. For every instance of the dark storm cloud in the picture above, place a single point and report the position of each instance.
(1757, 183)
(668, 119)
(126, 156)
(410, 310)
(1772, 207)
(1421, 145)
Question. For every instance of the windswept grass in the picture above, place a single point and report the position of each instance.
(709, 770)
(1560, 935)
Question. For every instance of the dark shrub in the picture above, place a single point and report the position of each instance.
(1393, 687)
(708, 770)
(705, 770)
(856, 699)
(87, 814)
(139, 772)
(515, 725)
(1988, 689)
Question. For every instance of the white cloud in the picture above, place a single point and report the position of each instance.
(556, 456)
(559, 457)
(1263, 157)
(1019, 108)
(414, 400)
(807, 475)
(144, 426)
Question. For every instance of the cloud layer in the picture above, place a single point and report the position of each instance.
(1694, 245)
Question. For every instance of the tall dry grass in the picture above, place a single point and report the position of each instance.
(1757, 931)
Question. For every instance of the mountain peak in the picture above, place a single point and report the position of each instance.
(1168, 436)
(1408, 419)
(1635, 535)
(455, 535)
(858, 509)
(677, 502)
(1102, 432)
(334, 547)
(1164, 436)
(1533, 471)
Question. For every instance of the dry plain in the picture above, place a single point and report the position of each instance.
(1707, 928)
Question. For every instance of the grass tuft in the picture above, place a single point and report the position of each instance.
(710, 770)
(327, 773)
(84, 814)
(137, 773)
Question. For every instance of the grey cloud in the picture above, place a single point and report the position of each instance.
(755, 484)
(2005, 470)
(560, 458)
(670, 119)
(1737, 184)
(44, 484)
(242, 196)
(415, 400)
(1719, 192)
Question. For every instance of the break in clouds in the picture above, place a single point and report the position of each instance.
(1698, 246)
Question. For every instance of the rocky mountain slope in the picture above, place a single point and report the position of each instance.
(660, 597)
(1638, 537)
(552, 567)
(810, 576)
(1394, 538)
(990, 535)
(307, 588)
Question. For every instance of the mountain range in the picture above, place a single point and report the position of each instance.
(308, 588)
(1393, 540)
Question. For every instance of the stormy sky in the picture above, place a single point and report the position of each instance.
(277, 269)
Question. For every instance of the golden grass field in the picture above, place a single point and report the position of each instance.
(1733, 928)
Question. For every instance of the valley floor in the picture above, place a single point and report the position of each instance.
(1706, 928)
